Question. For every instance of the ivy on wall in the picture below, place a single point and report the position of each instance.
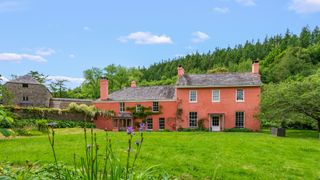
(143, 112)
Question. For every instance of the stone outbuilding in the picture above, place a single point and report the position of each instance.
(29, 92)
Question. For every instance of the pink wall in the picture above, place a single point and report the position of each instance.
(168, 110)
(227, 105)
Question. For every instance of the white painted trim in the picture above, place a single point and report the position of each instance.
(196, 96)
(253, 85)
(138, 101)
(212, 122)
(237, 95)
(212, 95)
(152, 107)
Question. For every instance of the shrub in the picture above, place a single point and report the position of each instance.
(42, 125)
(187, 130)
(237, 130)
(206, 130)
(166, 130)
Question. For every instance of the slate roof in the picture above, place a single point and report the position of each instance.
(143, 93)
(124, 115)
(26, 79)
(218, 79)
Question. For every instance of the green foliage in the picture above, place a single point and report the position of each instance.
(42, 125)
(291, 101)
(237, 130)
(41, 78)
(9, 120)
(90, 111)
(166, 130)
(218, 70)
(143, 112)
(201, 123)
(5, 132)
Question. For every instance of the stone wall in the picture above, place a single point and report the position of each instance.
(63, 103)
(38, 95)
(65, 116)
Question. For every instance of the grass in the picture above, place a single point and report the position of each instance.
(189, 155)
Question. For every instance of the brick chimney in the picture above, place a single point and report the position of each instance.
(180, 70)
(104, 88)
(133, 84)
(255, 68)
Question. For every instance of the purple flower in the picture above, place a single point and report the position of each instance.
(133, 133)
(129, 130)
(52, 124)
(142, 126)
(89, 147)
(138, 142)
(129, 150)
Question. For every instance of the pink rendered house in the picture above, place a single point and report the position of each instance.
(223, 100)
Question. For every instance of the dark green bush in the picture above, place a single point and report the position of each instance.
(166, 130)
(188, 130)
(206, 130)
(42, 125)
(237, 130)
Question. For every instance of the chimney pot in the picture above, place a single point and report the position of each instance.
(104, 88)
(255, 68)
(180, 70)
(133, 84)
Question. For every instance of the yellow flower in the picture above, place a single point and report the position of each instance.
(1, 168)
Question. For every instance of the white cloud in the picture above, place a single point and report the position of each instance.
(8, 6)
(71, 55)
(12, 57)
(3, 79)
(246, 2)
(86, 28)
(189, 47)
(221, 10)
(146, 38)
(201, 37)
(305, 6)
(45, 53)
(70, 80)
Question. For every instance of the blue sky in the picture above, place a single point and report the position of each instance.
(63, 38)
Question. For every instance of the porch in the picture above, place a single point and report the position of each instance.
(216, 122)
(122, 121)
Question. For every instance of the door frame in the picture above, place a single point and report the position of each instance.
(212, 122)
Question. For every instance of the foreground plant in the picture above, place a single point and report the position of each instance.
(9, 120)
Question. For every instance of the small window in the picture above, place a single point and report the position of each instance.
(25, 98)
(25, 85)
(240, 95)
(155, 107)
(239, 119)
(161, 124)
(215, 95)
(122, 107)
(149, 124)
(193, 119)
(138, 107)
(193, 96)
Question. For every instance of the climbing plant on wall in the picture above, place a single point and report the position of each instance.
(143, 112)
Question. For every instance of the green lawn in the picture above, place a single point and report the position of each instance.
(190, 155)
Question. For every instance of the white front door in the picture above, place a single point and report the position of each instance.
(215, 123)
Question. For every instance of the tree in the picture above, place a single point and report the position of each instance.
(287, 101)
(41, 78)
(218, 70)
(61, 86)
(5, 95)
(91, 85)
(53, 89)
(57, 88)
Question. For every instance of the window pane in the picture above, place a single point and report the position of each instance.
(161, 123)
(122, 108)
(193, 96)
(240, 119)
(149, 123)
(155, 107)
(193, 118)
(138, 107)
(216, 95)
(239, 94)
